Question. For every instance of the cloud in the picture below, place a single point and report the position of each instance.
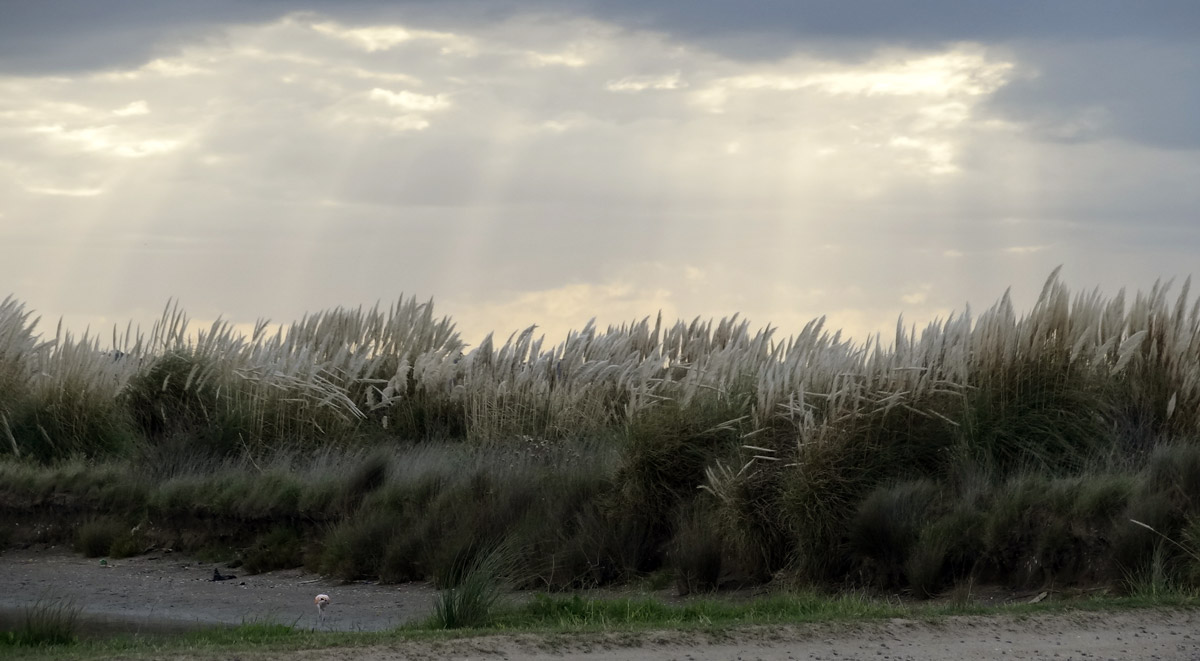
(107, 139)
(917, 297)
(66, 192)
(1141, 91)
(386, 37)
(671, 81)
(409, 100)
(1025, 250)
(134, 108)
(552, 167)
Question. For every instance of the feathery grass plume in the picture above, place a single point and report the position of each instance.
(311, 384)
(58, 397)
(19, 349)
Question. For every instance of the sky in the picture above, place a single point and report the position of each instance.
(551, 161)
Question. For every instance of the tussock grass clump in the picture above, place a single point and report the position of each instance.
(368, 476)
(1166, 507)
(280, 548)
(108, 537)
(664, 460)
(46, 623)
(95, 538)
(355, 548)
(697, 553)
(887, 526)
(1037, 530)
(476, 588)
(947, 551)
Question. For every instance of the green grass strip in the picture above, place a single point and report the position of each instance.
(553, 615)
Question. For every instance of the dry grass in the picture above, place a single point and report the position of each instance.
(787, 436)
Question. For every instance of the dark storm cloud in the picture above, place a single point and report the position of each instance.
(61, 36)
(77, 35)
(1144, 91)
(73, 35)
(912, 23)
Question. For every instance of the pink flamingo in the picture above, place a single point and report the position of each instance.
(321, 600)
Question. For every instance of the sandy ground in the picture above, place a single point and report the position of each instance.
(164, 591)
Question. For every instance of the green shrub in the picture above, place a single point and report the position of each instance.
(127, 545)
(696, 552)
(427, 416)
(821, 492)
(98, 537)
(888, 525)
(668, 448)
(280, 548)
(401, 560)
(1165, 503)
(1041, 414)
(747, 515)
(1174, 470)
(174, 394)
(355, 548)
(370, 474)
(594, 549)
(947, 550)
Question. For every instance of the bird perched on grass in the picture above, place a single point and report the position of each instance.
(322, 600)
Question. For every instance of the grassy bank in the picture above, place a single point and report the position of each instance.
(373, 444)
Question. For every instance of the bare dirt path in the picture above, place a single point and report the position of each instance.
(1145, 634)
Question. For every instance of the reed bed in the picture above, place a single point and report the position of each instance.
(727, 453)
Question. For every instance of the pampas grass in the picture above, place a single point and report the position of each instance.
(784, 436)
(334, 374)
